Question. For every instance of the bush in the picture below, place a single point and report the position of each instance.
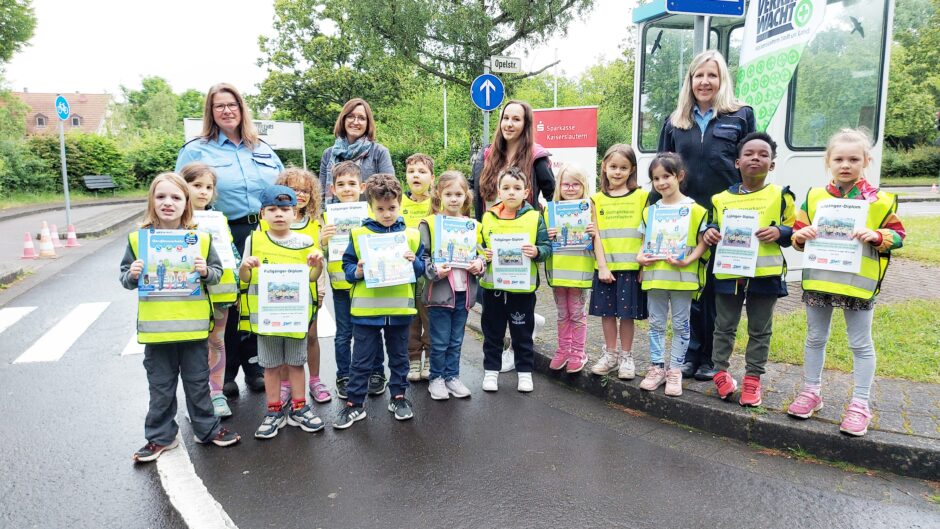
(86, 154)
(153, 153)
(21, 170)
(920, 161)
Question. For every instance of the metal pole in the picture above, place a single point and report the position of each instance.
(445, 114)
(303, 143)
(700, 34)
(486, 115)
(555, 98)
(65, 176)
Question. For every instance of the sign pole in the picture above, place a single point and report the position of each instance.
(486, 115)
(303, 143)
(63, 110)
(700, 34)
(445, 114)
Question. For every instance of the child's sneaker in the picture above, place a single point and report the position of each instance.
(524, 385)
(508, 361)
(377, 383)
(426, 367)
(456, 388)
(273, 421)
(576, 362)
(674, 382)
(401, 407)
(414, 370)
(805, 405)
(341, 384)
(751, 394)
(607, 362)
(224, 437)
(305, 419)
(725, 384)
(220, 406)
(320, 393)
(627, 369)
(856, 420)
(559, 360)
(438, 389)
(490, 380)
(348, 415)
(655, 377)
(151, 451)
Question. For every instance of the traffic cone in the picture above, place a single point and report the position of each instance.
(56, 241)
(29, 251)
(71, 240)
(46, 249)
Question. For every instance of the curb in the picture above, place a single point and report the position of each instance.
(904, 200)
(14, 213)
(901, 454)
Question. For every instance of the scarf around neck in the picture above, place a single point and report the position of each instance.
(345, 151)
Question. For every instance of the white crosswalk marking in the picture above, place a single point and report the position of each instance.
(326, 325)
(58, 339)
(132, 347)
(11, 315)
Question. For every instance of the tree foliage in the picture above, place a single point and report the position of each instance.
(17, 23)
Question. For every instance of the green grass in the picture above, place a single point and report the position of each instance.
(20, 199)
(907, 340)
(923, 240)
(914, 181)
(935, 498)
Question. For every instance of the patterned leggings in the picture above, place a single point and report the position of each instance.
(217, 350)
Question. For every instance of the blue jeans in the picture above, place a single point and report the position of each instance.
(447, 337)
(368, 346)
(342, 342)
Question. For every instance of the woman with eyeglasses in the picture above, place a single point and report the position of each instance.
(245, 165)
(355, 142)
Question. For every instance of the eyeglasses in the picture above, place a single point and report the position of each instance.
(357, 119)
(300, 192)
(232, 107)
(571, 185)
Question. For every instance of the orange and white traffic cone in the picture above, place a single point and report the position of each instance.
(56, 240)
(71, 240)
(46, 249)
(29, 251)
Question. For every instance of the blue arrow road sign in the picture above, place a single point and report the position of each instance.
(487, 92)
(727, 8)
(62, 108)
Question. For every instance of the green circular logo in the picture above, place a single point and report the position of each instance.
(803, 13)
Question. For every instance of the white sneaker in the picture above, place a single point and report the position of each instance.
(509, 361)
(539, 323)
(490, 380)
(525, 383)
(438, 390)
(414, 370)
(627, 369)
(426, 367)
(457, 388)
(607, 362)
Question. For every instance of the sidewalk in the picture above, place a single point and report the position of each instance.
(905, 434)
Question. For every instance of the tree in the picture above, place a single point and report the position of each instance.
(191, 104)
(17, 23)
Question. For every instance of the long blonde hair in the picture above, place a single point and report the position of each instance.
(571, 171)
(246, 129)
(151, 219)
(305, 180)
(859, 136)
(724, 102)
(447, 178)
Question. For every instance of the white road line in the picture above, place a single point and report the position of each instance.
(326, 325)
(132, 347)
(11, 315)
(58, 339)
(188, 493)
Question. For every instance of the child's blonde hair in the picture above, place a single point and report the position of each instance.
(151, 219)
(302, 179)
(627, 152)
(571, 171)
(193, 170)
(724, 102)
(859, 136)
(447, 178)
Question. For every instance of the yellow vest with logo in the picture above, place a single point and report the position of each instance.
(528, 224)
(413, 211)
(867, 283)
(168, 319)
(769, 202)
(396, 300)
(618, 224)
(269, 252)
(569, 268)
(226, 290)
(663, 276)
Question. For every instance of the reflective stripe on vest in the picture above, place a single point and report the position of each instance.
(663, 276)
(528, 224)
(397, 300)
(167, 319)
(867, 283)
(769, 203)
(618, 220)
(413, 211)
(570, 268)
(269, 252)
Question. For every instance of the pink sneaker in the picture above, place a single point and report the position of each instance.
(856, 419)
(559, 360)
(576, 362)
(725, 384)
(751, 394)
(805, 405)
(655, 377)
(319, 392)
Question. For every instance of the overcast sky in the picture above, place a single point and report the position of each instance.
(98, 45)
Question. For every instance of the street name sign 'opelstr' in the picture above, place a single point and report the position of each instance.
(715, 8)
(487, 92)
(505, 64)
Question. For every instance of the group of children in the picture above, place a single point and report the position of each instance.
(420, 326)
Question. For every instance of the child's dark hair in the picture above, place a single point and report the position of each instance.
(346, 168)
(762, 136)
(513, 172)
(669, 162)
(421, 158)
(383, 186)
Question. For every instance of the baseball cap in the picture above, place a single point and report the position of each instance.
(278, 196)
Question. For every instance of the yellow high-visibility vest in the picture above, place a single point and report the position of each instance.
(413, 211)
(569, 268)
(527, 223)
(663, 276)
(396, 300)
(769, 202)
(618, 224)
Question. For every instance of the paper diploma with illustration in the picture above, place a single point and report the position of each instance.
(214, 223)
(736, 253)
(283, 297)
(455, 241)
(169, 263)
(511, 268)
(834, 248)
(570, 218)
(345, 216)
(667, 231)
(385, 264)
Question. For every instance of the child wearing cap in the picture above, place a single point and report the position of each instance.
(280, 245)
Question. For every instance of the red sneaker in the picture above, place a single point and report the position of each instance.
(725, 384)
(750, 395)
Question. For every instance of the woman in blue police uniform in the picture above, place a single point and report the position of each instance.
(704, 130)
(245, 165)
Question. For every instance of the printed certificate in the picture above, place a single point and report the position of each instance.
(283, 297)
(169, 257)
(511, 269)
(455, 241)
(736, 253)
(834, 248)
(385, 265)
(345, 216)
(667, 231)
(214, 223)
(571, 218)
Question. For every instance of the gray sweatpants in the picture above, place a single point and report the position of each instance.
(760, 318)
(858, 327)
(165, 365)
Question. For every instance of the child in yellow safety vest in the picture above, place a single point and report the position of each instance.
(416, 205)
(825, 287)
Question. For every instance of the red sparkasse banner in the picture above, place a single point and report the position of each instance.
(566, 127)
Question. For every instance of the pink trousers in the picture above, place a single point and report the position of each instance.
(571, 305)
